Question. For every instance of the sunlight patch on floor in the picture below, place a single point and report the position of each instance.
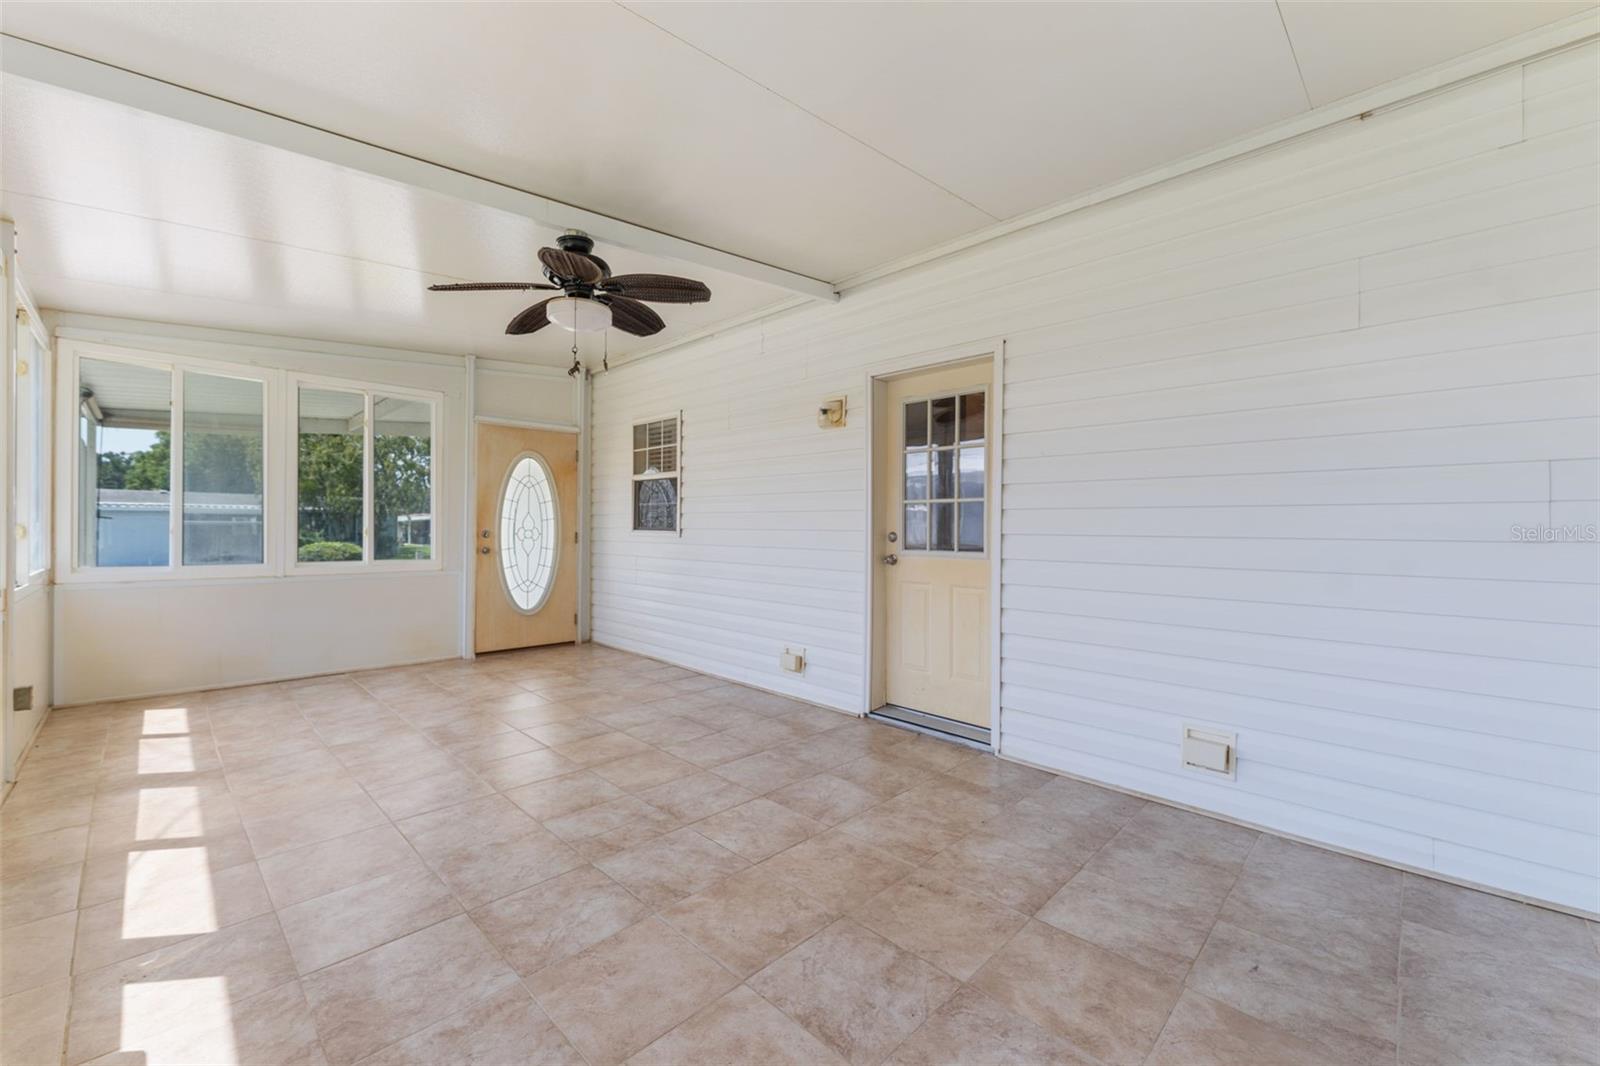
(168, 893)
(162, 1019)
(169, 813)
(166, 721)
(166, 755)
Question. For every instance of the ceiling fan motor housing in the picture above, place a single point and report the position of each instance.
(575, 241)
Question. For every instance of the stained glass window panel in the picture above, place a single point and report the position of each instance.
(528, 534)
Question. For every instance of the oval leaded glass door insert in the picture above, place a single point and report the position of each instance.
(529, 533)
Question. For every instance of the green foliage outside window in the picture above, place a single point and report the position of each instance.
(329, 487)
(330, 494)
(215, 462)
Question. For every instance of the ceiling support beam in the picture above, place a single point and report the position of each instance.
(52, 66)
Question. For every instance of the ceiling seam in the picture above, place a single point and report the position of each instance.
(1277, 5)
(70, 278)
(807, 111)
(155, 220)
(1399, 93)
(444, 167)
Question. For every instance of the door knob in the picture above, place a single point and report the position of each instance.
(483, 550)
(891, 559)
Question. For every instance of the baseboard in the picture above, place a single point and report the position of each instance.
(268, 680)
(27, 749)
(1461, 882)
(725, 677)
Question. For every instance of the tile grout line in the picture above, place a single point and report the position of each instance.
(1399, 978)
(469, 696)
(1216, 918)
(72, 976)
(463, 912)
(467, 912)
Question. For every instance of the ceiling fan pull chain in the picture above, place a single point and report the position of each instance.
(572, 372)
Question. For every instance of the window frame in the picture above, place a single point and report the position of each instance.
(988, 481)
(280, 457)
(179, 441)
(71, 511)
(36, 520)
(367, 564)
(675, 417)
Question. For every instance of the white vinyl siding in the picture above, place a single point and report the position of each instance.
(1269, 429)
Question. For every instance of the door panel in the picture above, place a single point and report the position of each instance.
(969, 633)
(914, 611)
(526, 572)
(932, 492)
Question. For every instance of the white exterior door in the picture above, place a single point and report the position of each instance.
(933, 482)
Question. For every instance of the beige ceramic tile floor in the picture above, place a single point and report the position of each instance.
(575, 855)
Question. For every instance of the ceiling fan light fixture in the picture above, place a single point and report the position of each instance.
(577, 314)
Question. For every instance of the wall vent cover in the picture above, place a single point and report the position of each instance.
(1210, 751)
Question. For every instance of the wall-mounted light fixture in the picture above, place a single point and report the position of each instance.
(831, 414)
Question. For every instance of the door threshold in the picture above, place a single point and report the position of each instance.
(944, 728)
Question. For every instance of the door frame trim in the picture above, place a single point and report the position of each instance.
(469, 520)
(469, 576)
(525, 423)
(469, 625)
(993, 349)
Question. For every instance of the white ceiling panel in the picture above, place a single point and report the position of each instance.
(1344, 47)
(585, 103)
(822, 138)
(179, 218)
(1012, 106)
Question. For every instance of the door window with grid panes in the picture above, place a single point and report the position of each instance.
(945, 463)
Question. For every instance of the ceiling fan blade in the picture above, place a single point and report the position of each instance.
(489, 286)
(534, 318)
(631, 316)
(572, 265)
(659, 288)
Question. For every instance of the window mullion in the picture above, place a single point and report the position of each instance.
(175, 474)
(289, 526)
(367, 463)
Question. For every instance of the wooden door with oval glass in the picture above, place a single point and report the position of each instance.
(932, 508)
(525, 585)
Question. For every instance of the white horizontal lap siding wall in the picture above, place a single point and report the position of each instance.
(1271, 431)
(773, 525)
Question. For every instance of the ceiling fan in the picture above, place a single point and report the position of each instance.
(592, 298)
